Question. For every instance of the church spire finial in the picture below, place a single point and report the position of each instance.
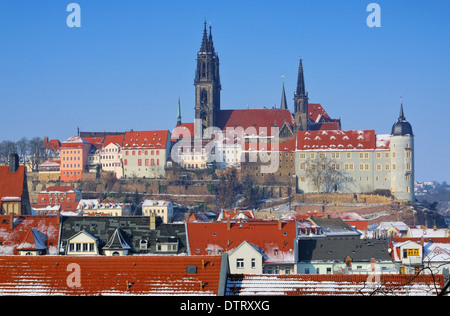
(179, 113)
(401, 117)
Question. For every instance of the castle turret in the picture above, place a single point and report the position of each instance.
(402, 159)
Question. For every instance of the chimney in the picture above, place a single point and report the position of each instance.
(152, 221)
(228, 225)
(58, 218)
(45, 142)
(13, 162)
(372, 264)
(280, 224)
(11, 221)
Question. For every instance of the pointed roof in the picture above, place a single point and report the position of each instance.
(283, 99)
(301, 91)
(179, 113)
(205, 42)
(402, 127)
(116, 241)
(33, 240)
(211, 44)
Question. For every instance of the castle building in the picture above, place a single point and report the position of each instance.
(342, 161)
(357, 161)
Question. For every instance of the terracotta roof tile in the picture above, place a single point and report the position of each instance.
(146, 139)
(336, 140)
(11, 239)
(276, 238)
(254, 118)
(11, 183)
(100, 275)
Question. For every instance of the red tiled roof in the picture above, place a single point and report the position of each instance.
(11, 239)
(336, 140)
(257, 118)
(276, 238)
(335, 285)
(11, 183)
(94, 140)
(101, 275)
(316, 112)
(326, 126)
(52, 144)
(231, 214)
(74, 142)
(185, 130)
(118, 139)
(60, 188)
(146, 139)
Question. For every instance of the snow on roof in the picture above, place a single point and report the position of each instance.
(155, 203)
(122, 275)
(334, 285)
(336, 139)
(428, 232)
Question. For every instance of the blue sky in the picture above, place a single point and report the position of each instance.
(128, 63)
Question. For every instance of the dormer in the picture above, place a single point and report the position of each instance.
(82, 244)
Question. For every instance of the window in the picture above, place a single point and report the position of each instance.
(239, 263)
(410, 252)
(253, 263)
(147, 162)
(335, 155)
(139, 162)
(348, 166)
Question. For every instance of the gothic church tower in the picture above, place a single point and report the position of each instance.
(207, 86)
(301, 102)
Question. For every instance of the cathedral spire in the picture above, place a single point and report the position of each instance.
(301, 91)
(205, 42)
(301, 102)
(210, 40)
(283, 99)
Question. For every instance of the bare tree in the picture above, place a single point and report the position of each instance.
(37, 152)
(7, 148)
(323, 174)
(22, 147)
